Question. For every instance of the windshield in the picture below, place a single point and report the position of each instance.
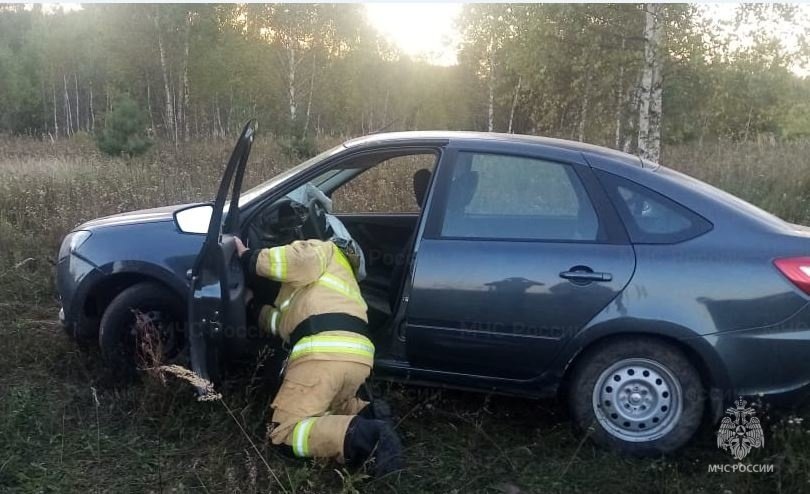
(250, 195)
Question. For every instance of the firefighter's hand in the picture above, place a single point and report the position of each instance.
(240, 247)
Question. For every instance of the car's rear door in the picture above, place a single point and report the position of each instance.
(521, 249)
(216, 302)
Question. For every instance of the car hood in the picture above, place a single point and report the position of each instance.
(165, 213)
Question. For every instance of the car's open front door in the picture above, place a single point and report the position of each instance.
(216, 302)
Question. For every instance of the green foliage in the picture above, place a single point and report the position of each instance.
(299, 146)
(567, 70)
(124, 131)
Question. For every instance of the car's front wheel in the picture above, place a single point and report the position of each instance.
(142, 327)
(639, 396)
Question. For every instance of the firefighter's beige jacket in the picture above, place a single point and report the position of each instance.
(316, 278)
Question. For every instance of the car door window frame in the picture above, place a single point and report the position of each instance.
(436, 152)
(610, 229)
(333, 162)
(698, 224)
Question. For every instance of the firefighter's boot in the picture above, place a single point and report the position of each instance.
(373, 440)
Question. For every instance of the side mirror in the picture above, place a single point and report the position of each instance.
(194, 219)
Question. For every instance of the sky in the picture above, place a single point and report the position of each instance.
(421, 30)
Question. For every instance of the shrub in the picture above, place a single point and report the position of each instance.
(298, 147)
(124, 130)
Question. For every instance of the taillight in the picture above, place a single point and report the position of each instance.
(797, 270)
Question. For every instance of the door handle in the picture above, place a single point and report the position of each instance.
(585, 276)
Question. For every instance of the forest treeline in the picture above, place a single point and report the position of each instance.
(629, 76)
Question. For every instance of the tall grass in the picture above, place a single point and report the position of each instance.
(57, 434)
(775, 177)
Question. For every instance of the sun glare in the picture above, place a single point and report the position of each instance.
(421, 30)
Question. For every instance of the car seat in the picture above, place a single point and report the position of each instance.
(421, 181)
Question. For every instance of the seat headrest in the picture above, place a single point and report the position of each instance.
(463, 190)
(421, 179)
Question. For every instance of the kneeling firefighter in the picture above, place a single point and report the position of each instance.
(320, 314)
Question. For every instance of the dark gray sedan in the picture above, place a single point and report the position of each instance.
(646, 299)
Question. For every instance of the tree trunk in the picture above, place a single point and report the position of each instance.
(291, 82)
(514, 104)
(630, 134)
(178, 108)
(55, 118)
(617, 138)
(385, 107)
(228, 118)
(76, 89)
(44, 97)
(68, 113)
(656, 101)
(186, 129)
(309, 97)
(583, 113)
(149, 104)
(92, 116)
(219, 130)
(169, 118)
(491, 87)
(109, 106)
(649, 115)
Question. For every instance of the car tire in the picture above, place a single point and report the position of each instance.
(637, 396)
(120, 336)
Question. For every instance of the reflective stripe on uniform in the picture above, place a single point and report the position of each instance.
(274, 321)
(300, 438)
(269, 319)
(322, 259)
(350, 345)
(342, 260)
(333, 282)
(278, 263)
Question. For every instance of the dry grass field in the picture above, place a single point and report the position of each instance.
(63, 430)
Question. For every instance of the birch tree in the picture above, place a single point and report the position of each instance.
(650, 94)
(169, 115)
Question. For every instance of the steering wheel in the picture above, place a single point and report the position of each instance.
(315, 225)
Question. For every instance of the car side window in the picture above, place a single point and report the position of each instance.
(650, 217)
(394, 185)
(509, 197)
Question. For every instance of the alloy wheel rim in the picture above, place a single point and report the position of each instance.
(637, 400)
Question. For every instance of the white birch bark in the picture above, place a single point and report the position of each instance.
(68, 113)
(76, 89)
(514, 104)
(55, 118)
(186, 97)
(169, 118)
(649, 115)
(656, 100)
(291, 81)
(491, 87)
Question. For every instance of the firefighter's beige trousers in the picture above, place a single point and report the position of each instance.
(315, 404)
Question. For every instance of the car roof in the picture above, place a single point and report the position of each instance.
(446, 135)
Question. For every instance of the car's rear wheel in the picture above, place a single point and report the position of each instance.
(638, 396)
(142, 327)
